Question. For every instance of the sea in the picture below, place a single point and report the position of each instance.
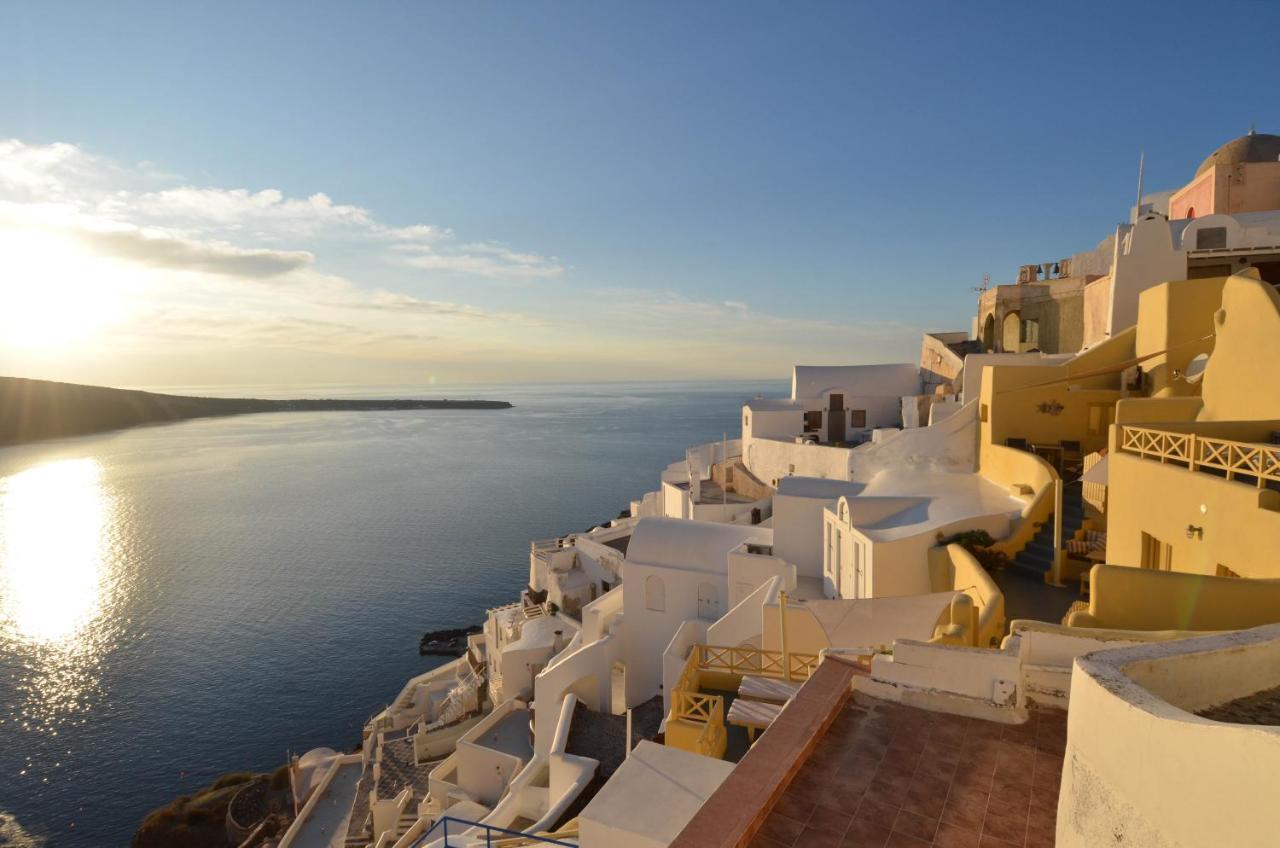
(184, 600)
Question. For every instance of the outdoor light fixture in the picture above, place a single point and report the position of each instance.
(1194, 532)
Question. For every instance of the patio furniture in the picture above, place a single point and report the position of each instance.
(766, 689)
(1017, 444)
(753, 715)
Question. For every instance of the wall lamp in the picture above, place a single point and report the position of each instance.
(1194, 532)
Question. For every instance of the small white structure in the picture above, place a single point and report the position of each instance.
(876, 542)
(830, 409)
(650, 798)
(675, 570)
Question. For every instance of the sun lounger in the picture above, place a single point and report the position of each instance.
(753, 715)
(767, 689)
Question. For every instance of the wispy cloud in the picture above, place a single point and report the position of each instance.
(162, 250)
(113, 197)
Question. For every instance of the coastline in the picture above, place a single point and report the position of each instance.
(52, 410)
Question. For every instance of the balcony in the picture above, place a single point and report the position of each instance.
(1250, 462)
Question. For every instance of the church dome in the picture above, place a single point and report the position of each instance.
(1254, 147)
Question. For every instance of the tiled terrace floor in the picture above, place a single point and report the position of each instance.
(889, 775)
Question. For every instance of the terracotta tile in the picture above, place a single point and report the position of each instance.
(794, 805)
(1046, 819)
(895, 786)
(1014, 784)
(814, 838)
(1041, 837)
(926, 797)
(1044, 797)
(967, 811)
(951, 836)
(760, 841)
(992, 842)
(830, 820)
(781, 828)
(1011, 807)
(912, 824)
(863, 834)
(973, 779)
(902, 840)
(878, 812)
(1008, 828)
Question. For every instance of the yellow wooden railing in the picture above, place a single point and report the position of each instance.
(756, 661)
(689, 704)
(1250, 459)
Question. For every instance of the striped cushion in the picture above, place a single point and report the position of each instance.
(1077, 547)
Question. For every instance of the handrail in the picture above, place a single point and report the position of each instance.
(1252, 459)
(489, 831)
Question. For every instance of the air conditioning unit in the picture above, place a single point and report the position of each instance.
(807, 439)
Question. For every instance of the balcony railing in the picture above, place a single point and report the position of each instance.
(1260, 463)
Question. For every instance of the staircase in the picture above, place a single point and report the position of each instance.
(1036, 559)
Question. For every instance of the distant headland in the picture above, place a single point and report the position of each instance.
(33, 410)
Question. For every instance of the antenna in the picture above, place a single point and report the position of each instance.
(1195, 368)
(986, 284)
(1142, 161)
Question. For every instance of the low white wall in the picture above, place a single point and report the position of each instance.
(966, 681)
(770, 460)
(744, 624)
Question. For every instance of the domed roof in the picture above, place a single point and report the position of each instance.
(1254, 147)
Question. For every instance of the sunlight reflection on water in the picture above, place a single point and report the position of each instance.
(59, 579)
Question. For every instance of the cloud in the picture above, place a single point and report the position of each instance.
(110, 197)
(166, 251)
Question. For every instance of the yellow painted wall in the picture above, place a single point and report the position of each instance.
(953, 569)
(1240, 522)
(1173, 316)
(1140, 599)
(1241, 381)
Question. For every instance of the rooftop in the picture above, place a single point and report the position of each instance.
(1254, 147)
(887, 774)
(932, 499)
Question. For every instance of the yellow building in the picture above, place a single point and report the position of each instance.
(1194, 482)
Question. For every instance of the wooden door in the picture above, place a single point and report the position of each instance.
(835, 418)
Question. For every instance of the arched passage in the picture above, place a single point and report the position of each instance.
(989, 333)
(1010, 332)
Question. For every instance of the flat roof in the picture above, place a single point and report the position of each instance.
(932, 499)
(818, 487)
(652, 796)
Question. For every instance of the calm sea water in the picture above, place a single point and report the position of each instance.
(185, 600)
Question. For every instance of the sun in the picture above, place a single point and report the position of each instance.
(53, 293)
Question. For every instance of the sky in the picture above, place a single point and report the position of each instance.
(431, 193)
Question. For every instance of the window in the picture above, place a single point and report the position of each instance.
(708, 602)
(1031, 331)
(655, 594)
(813, 421)
(857, 418)
(1211, 238)
(1156, 555)
(746, 420)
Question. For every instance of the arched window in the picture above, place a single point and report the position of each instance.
(655, 594)
(708, 602)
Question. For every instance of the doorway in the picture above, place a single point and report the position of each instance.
(835, 418)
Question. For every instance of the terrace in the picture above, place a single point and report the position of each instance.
(1245, 452)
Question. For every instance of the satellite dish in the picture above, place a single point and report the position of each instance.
(1195, 368)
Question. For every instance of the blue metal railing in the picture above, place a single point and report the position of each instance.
(463, 825)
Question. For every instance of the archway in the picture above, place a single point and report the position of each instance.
(1010, 332)
(989, 333)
